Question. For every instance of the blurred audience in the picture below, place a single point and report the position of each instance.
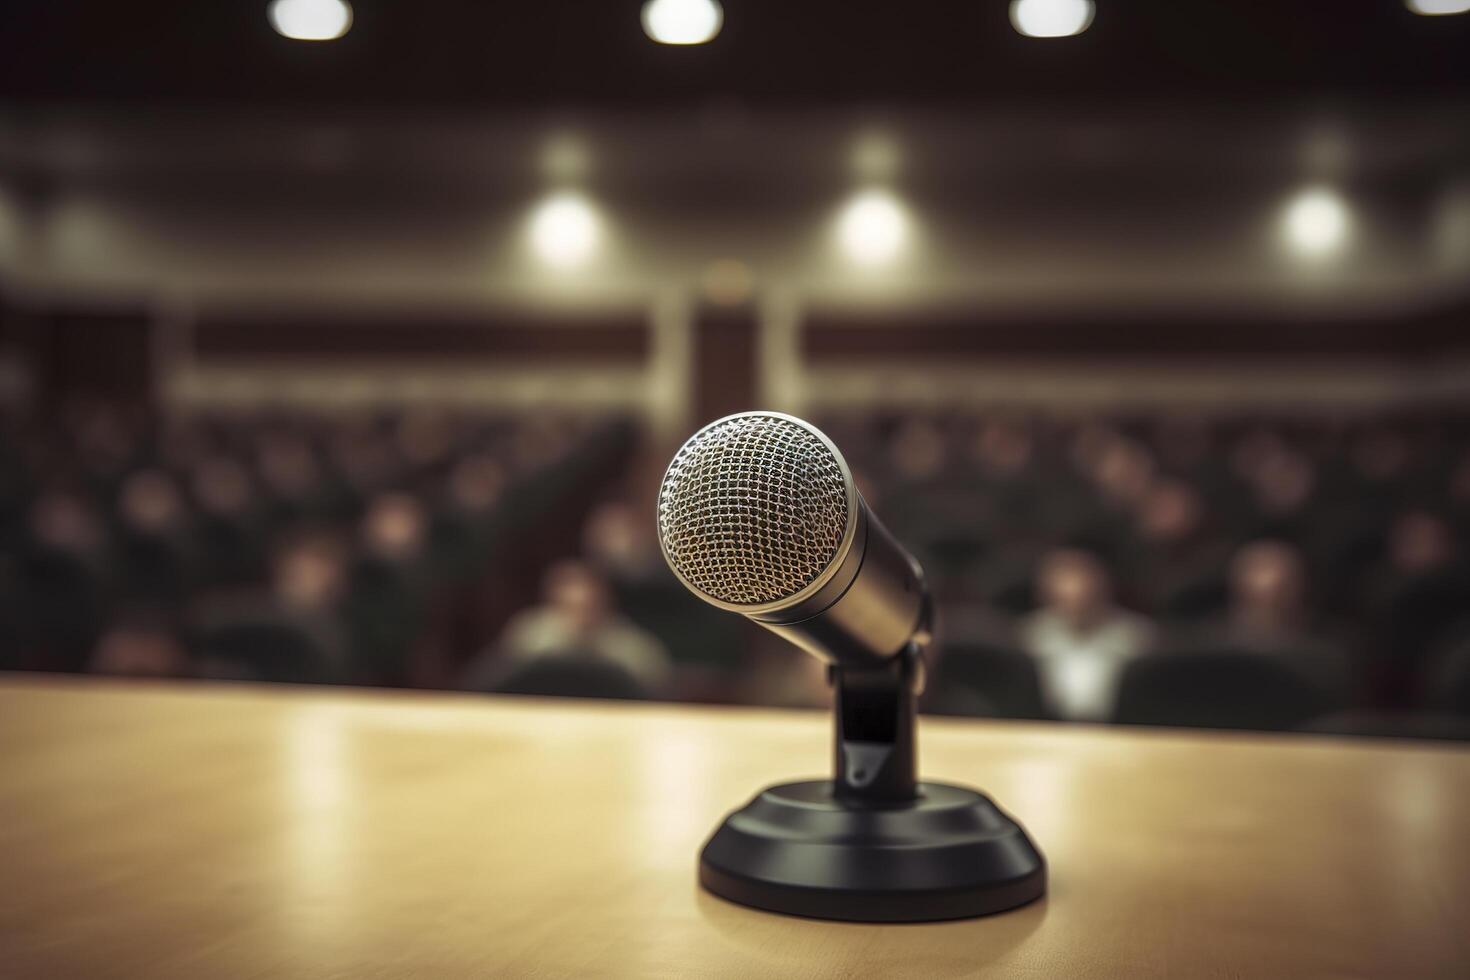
(1080, 638)
(1333, 546)
(1269, 615)
(1268, 608)
(463, 527)
(576, 621)
(387, 547)
(140, 646)
(154, 542)
(622, 544)
(230, 522)
(917, 452)
(1420, 597)
(292, 630)
(386, 604)
(1176, 560)
(57, 600)
(67, 523)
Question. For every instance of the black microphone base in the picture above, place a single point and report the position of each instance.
(950, 854)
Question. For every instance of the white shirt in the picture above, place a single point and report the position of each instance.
(1080, 669)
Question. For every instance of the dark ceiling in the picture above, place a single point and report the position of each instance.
(548, 53)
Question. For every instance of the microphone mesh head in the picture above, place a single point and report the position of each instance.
(752, 509)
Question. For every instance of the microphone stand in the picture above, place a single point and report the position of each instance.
(875, 710)
(873, 843)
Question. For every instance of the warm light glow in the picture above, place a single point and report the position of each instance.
(310, 20)
(727, 282)
(565, 159)
(1316, 222)
(564, 230)
(1435, 8)
(873, 228)
(1051, 18)
(319, 770)
(682, 21)
(875, 157)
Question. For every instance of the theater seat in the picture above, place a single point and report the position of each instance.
(985, 679)
(693, 632)
(262, 648)
(58, 607)
(1219, 689)
(572, 676)
(1447, 687)
(1396, 724)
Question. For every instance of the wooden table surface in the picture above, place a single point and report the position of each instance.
(213, 831)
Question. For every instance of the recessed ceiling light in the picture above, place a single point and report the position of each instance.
(1438, 8)
(682, 21)
(1051, 18)
(873, 228)
(310, 20)
(564, 230)
(1316, 222)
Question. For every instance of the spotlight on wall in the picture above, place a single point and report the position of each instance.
(682, 21)
(1051, 18)
(310, 20)
(564, 230)
(1316, 222)
(1438, 8)
(873, 228)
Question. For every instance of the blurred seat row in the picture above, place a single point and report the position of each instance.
(353, 548)
(1257, 571)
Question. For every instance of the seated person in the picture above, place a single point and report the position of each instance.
(1081, 640)
(620, 542)
(231, 525)
(140, 645)
(385, 607)
(1419, 599)
(290, 631)
(55, 599)
(576, 617)
(1176, 566)
(1283, 485)
(155, 554)
(464, 530)
(1268, 614)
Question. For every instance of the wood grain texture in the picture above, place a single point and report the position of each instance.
(193, 831)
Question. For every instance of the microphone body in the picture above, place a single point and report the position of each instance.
(873, 606)
(759, 514)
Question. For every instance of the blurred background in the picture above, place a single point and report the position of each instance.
(347, 344)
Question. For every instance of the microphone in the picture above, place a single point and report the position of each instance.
(758, 514)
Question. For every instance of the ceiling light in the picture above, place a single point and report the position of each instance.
(1437, 8)
(682, 21)
(310, 20)
(564, 230)
(873, 228)
(1316, 222)
(1051, 18)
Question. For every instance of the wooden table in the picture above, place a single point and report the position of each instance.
(214, 831)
